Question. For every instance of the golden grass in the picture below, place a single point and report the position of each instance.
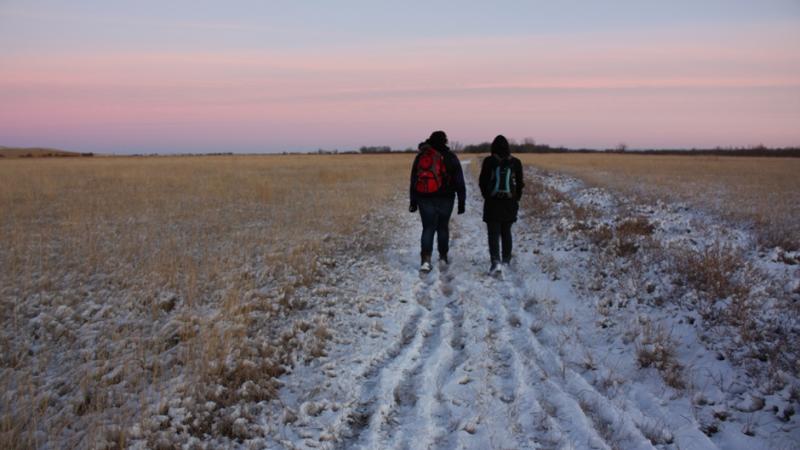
(156, 215)
(765, 191)
(156, 241)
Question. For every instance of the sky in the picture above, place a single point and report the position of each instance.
(172, 76)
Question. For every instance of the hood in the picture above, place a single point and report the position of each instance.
(500, 147)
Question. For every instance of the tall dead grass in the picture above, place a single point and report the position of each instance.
(120, 274)
(764, 191)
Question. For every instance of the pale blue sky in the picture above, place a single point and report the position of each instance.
(69, 26)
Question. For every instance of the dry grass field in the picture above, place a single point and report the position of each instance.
(764, 191)
(133, 289)
(120, 275)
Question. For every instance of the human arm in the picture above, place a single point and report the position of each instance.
(412, 192)
(460, 186)
(484, 178)
(518, 174)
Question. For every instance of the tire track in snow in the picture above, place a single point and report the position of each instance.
(410, 392)
(604, 416)
(530, 403)
(431, 409)
(447, 423)
(406, 382)
(528, 411)
(397, 391)
(506, 386)
(552, 405)
(379, 394)
(506, 412)
(362, 415)
(455, 314)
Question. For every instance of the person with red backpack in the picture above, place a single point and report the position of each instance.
(436, 179)
(501, 183)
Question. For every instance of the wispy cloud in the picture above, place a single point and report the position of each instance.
(690, 86)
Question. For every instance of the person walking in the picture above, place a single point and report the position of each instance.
(501, 183)
(436, 179)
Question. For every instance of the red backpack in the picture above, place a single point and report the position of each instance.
(431, 171)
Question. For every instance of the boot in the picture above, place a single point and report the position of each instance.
(425, 266)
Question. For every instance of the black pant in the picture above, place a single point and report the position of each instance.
(435, 213)
(498, 230)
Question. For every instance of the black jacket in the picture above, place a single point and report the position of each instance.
(500, 209)
(455, 179)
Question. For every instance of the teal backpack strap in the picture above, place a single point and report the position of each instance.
(496, 188)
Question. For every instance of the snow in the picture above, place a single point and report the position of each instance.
(542, 357)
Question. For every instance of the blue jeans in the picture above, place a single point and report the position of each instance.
(435, 213)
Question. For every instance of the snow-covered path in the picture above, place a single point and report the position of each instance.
(469, 371)
(456, 359)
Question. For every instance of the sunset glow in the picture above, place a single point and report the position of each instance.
(200, 79)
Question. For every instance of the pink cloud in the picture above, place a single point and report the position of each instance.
(711, 87)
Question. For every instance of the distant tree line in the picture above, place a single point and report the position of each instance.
(150, 155)
(384, 149)
(530, 146)
(793, 152)
(56, 155)
(527, 146)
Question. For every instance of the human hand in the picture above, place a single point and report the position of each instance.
(412, 208)
(461, 209)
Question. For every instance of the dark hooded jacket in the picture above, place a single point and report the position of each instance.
(455, 176)
(500, 209)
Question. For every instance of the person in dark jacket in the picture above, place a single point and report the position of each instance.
(434, 194)
(501, 183)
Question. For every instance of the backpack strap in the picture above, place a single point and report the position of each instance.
(496, 187)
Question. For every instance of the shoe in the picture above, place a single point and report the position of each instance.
(443, 258)
(496, 268)
(425, 266)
